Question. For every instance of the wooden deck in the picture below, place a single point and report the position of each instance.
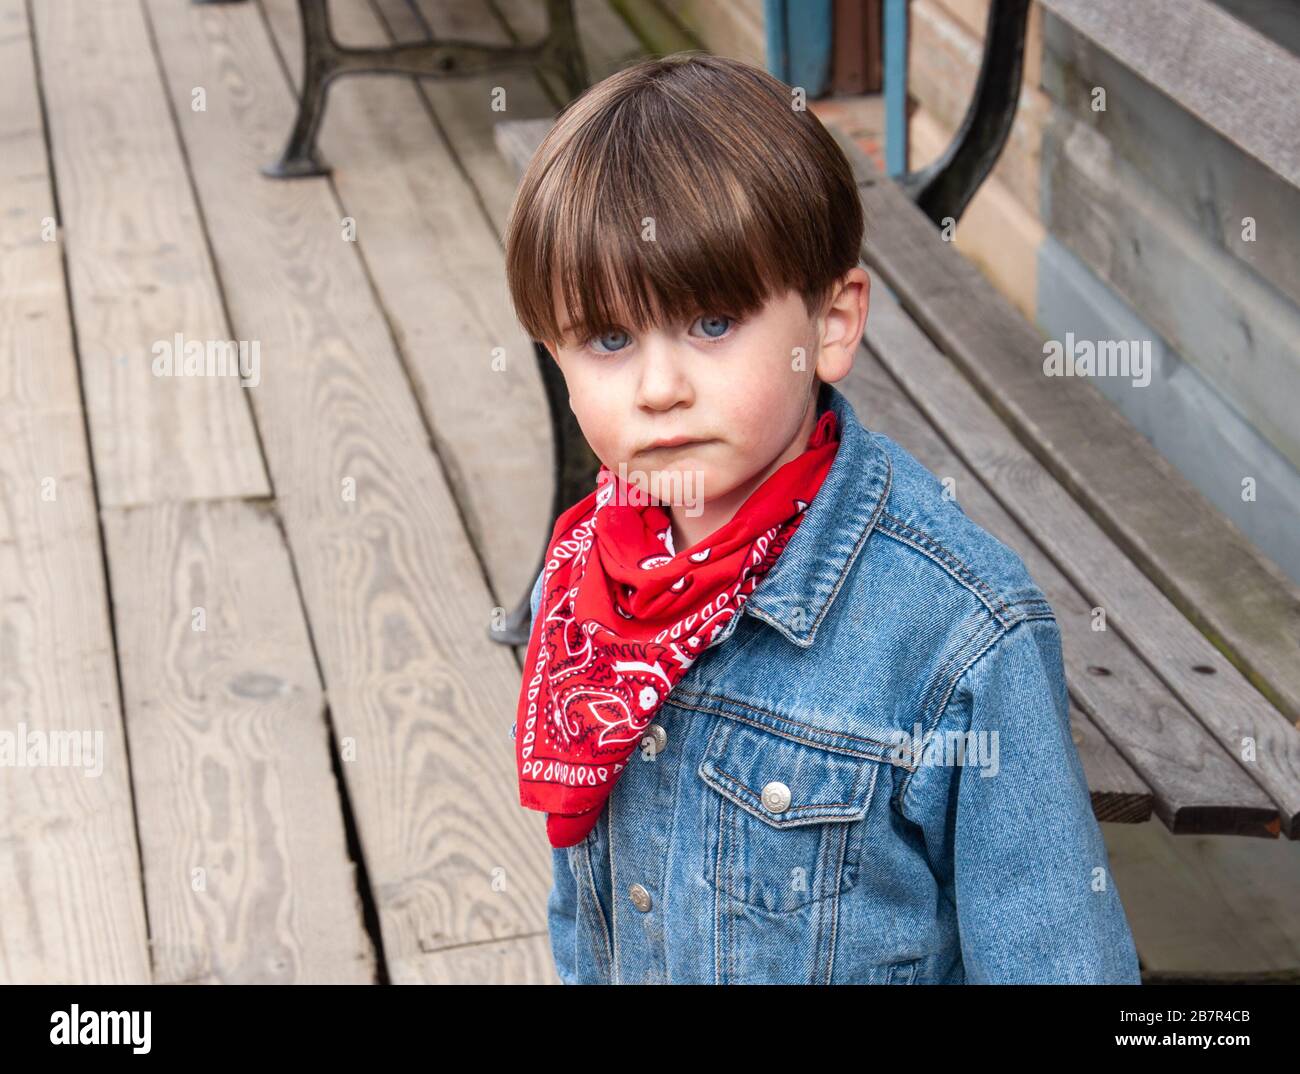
(265, 608)
(294, 579)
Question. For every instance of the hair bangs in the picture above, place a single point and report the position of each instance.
(681, 186)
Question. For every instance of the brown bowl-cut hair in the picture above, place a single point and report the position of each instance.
(748, 197)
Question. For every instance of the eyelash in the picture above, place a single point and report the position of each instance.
(735, 325)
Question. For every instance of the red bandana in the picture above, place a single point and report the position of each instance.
(622, 619)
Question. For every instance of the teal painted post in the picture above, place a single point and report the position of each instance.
(809, 31)
(778, 45)
(895, 87)
(799, 41)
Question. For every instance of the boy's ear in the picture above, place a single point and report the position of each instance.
(848, 312)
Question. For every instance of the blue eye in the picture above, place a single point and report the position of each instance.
(715, 327)
(613, 334)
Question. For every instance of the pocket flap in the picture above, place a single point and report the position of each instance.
(785, 781)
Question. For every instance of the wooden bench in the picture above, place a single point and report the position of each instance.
(1185, 704)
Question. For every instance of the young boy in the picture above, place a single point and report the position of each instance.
(740, 701)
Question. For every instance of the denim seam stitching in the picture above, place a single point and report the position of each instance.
(719, 884)
(676, 700)
(877, 510)
(831, 903)
(939, 554)
(616, 973)
(732, 841)
(959, 655)
(956, 678)
(971, 660)
(820, 909)
(939, 547)
(716, 892)
(589, 881)
(791, 809)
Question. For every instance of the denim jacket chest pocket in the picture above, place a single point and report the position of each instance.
(785, 817)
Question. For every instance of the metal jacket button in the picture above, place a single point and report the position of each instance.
(776, 797)
(640, 897)
(658, 738)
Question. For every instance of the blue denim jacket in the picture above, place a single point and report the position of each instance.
(872, 781)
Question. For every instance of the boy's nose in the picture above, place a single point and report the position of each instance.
(664, 382)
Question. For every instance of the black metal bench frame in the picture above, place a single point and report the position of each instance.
(324, 60)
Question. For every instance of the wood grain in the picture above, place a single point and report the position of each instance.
(246, 865)
(1234, 328)
(1198, 172)
(1226, 73)
(438, 271)
(69, 869)
(394, 594)
(138, 268)
(1197, 558)
(523, 960)
(1220, 697)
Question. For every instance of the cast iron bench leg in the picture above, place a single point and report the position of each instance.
(324, 60)
(320, 63)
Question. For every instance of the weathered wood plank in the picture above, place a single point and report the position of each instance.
(394, 595)
(1198, 559)
(138, 267)
(1119, 794)
(1220, 69)
(608, 45)
(70, 879)
(1179, 411)
(1239, 332)
(1199, 173)
(455, 111)
(522, 960)
(1197, 787)
(246, 864)
(1196, 673)
(438, 271)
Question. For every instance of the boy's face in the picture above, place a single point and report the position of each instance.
(743, 391)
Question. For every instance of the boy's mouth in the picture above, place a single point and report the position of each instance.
(672, 444)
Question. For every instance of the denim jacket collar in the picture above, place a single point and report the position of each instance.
(798, 589)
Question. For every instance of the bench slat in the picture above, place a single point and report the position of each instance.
(1221, 698)
(1223, 71)
(1202, 562)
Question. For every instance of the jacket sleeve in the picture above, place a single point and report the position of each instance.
(536, 596)
(562, 902)
(1013, 837)
(561, 915)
